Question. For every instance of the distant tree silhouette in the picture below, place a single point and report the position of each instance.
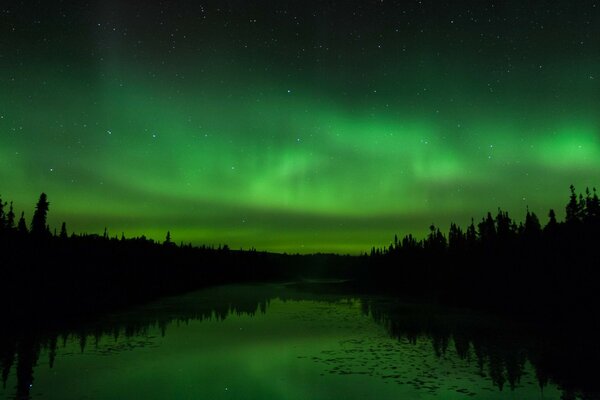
(592, 206)
(456, 238)
(2, 215)
(573, 208)
(504, 228)
(552, 219)
(38, 222)
(22, 226)
(63, 231)
(471, 235)
(551, 229)
(487, 230)
(436, 241)
(533, 228)
(10, 217)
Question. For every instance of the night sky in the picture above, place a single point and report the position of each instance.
(296, 125)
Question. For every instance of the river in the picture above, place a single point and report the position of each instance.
(277, 341)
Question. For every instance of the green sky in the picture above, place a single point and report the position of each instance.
(287, 130)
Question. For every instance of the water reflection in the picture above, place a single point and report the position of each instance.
(280, 342)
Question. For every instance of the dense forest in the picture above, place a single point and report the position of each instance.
(45, 272)
(500, 264)
(496, 264)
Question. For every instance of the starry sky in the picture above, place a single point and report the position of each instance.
(296, 126)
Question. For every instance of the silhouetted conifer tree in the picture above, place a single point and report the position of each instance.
(168, 241)
(456, 238)
(10, 217)
(2, 215)
(521, 229)
(572, 209)
(63, 231)
(487, 229)
(436, 241)
(533, 228)
(22, 226)
(592, 206)
(471, 234)
(552, 224)
(503, 227)
(552, 218)
(581, 207)
(431, 236)
(38, 222)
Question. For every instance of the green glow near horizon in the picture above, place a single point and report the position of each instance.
(178, 165)
(243, 151)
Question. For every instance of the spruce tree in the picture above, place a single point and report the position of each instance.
(487, 229)
(471, 235)
(2, 215)
(572, 207)
(532, 225)
(38, 222)
(22, 226)
(10, 217)
(552, 223)
(63, 231)
(592, 206)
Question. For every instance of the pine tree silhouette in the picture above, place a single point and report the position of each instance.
(532, 225)
(552, 224)
(552, 218)
(503, 227)
(10, 217)
(572, 208)
(592, 206)
(456, 238)
(487, 230)
(168, 241)
(471, 235)
(22, 226)
(2, 215)
(581, 208)
(38, 222)
(63, 231)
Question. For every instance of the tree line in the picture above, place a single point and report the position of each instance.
(38, 223)
(496, 263)
(582, 216)
(499, 262)
(44, 270)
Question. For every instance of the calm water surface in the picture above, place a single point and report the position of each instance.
(275, 342)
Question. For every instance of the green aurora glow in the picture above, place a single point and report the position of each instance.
(240, 148)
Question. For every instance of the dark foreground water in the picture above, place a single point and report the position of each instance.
(280, 342)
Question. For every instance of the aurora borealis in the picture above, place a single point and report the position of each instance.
(296, 126)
